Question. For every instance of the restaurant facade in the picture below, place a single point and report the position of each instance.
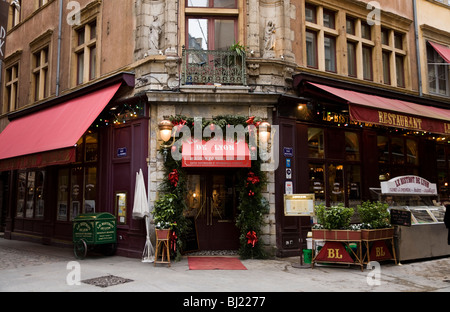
(339, 95)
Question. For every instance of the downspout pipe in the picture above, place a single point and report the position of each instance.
(419, 67)
(58, 61)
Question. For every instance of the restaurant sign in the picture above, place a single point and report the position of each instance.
(216, 153)
(408, 185)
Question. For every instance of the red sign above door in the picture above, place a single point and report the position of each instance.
(215, 154)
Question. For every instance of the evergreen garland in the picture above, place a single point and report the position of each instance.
(252, 205)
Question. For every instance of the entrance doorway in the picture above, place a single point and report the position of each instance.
(212, 202)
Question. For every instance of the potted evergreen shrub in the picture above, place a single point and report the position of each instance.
(375, 221)
(164, 215)
(333, 223)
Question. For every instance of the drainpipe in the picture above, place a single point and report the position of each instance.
(419, 67)
(58, 64)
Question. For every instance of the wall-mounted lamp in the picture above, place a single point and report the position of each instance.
(264, 130)
(165, 129)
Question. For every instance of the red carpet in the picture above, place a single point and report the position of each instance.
(215, 263)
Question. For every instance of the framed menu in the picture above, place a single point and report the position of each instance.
(299, 205)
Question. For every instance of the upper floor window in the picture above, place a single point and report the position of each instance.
(39, 82)
(212, 3)
(438, 73)
(41, 3)
(393, 57)
(211, 33)
(12, 85)
(86, 52)
(320, 37)
(15, 13)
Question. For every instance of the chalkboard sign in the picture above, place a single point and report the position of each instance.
(191, 236)
(400, 217)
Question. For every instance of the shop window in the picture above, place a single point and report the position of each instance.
(336, 184)
(353, 174)
(30, 194)
(317, 182)
(412, 153)
(442, 184)
(351, 146)
(90, 192)
(397, 151)
(383, 149)
(440, 156)
(21, 192)
(63, 194)
(77, 185)
(315, 143)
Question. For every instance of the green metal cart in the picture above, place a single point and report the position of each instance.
(94, 231)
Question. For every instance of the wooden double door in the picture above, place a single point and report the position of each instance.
(212, 201)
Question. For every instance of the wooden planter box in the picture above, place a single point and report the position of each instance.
(378, 234)
(337, 235)
(162, 234)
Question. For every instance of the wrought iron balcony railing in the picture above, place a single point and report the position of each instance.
(210, 66)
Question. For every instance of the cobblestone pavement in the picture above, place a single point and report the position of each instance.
(30, 267)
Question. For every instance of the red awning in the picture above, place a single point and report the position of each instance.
(391, 112)
(49, 136)
(442, 51)
(216, 153)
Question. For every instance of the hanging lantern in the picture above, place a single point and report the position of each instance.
(165, 129)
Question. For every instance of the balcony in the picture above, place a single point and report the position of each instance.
(203, 67)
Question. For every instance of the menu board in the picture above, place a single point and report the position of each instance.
(299, 205)
(400, 217)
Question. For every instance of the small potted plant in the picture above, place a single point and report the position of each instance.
(375, 221)
(333, 223)
(164, 215)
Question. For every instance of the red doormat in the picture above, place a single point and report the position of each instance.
(215, 263)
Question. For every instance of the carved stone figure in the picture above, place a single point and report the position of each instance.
(155, 33)
(269, 39)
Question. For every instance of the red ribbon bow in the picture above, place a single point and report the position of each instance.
(250, 120)
(252, 239)
(252, 178)
(173, 177)
(173, 241)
